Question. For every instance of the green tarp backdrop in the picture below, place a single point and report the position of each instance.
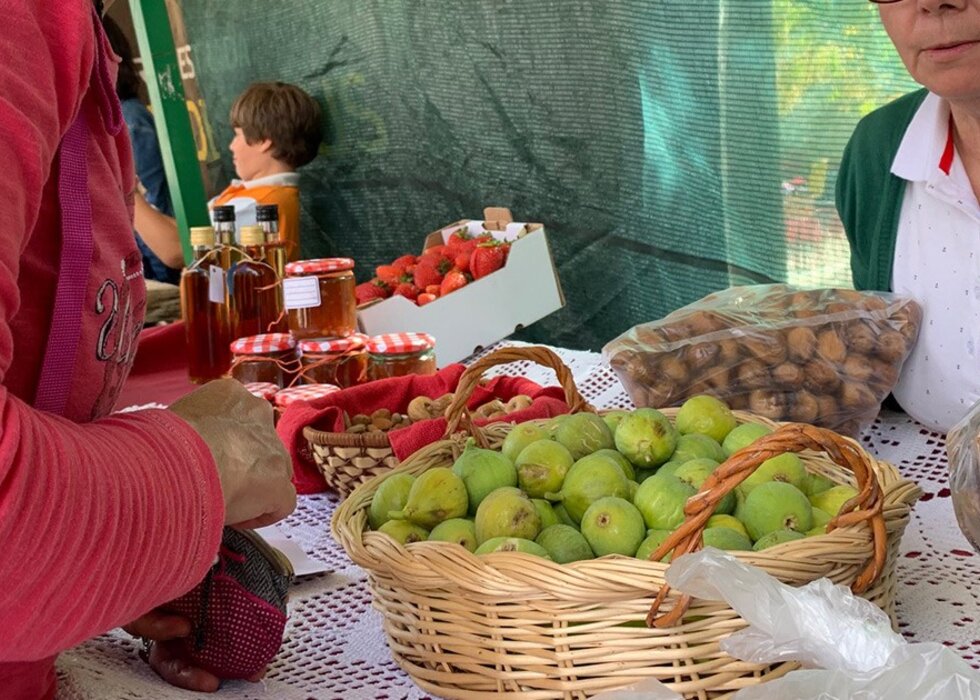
(670, 148)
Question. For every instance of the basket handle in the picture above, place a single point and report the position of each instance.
(459, 415)
(790, 437)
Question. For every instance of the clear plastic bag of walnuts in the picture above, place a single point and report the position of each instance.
(828, 357)
(963, 449)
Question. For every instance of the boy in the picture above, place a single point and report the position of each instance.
(277, 130)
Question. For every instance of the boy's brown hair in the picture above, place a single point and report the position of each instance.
(283, 114)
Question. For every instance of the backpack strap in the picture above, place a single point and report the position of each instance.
(64, 334)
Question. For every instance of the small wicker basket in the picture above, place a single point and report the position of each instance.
(473, 627)
(347, 460)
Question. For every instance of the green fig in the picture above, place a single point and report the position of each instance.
(707, 415)
(583, 434)
(541, 467)
(392, 494)
(589, 479)
(512, 544)
(507, 512)
(483, 471)
(436, 495)
(564, 544)
(459, 530)
(613, 525)
(646, 438)
(404, 531)
(519, 437)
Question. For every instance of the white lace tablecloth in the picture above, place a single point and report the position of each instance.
(335, 647)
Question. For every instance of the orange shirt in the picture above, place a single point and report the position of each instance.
(281, 189)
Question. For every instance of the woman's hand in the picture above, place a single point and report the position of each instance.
(161, 633)
(253, 465)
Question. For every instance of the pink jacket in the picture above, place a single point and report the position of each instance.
(101, 517)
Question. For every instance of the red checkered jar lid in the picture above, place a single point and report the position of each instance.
(334, 346)
(399, 343)
(307, 392)
(264, 390)
(266, 342)
(312, 267)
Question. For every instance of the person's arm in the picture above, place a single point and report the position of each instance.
(159, 232)
(103, 521)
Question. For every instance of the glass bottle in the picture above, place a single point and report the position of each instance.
(267, 216)
(205, 320)
(223, 218)
(253, 294)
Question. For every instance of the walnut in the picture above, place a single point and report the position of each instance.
(891, 346)
(820, 377)
(860, 337)
(752, 374)
(858, 367)
(856, 397)
(788, 375)
(768, 348)
(804, 407)
(801, 343)
(830, 346)
(700, 355)
(768, 403)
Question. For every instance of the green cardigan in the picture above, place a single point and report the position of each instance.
(869, 197)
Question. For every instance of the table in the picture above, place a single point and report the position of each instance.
(335, 647)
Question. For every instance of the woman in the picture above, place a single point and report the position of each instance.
(908, 195)
(102, 518)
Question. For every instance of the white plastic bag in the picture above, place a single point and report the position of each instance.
(823, 625)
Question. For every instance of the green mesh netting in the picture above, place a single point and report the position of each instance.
(670, 148)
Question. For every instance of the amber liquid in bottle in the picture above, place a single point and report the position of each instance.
(254, 295)
(205, 324)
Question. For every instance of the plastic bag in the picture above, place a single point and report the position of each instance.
(819, 624)
(963, 450)
(827, 357)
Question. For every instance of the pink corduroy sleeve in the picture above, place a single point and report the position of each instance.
(99, 522)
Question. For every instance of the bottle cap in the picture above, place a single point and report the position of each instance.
(223, 214)
(202, 236)
(251, 235)
(267, 212)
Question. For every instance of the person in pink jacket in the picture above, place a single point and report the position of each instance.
(103, 517)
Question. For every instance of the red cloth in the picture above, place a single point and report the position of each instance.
(395, 394)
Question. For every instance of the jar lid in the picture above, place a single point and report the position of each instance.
(251, 235)
(202, 236)
(306, 392)
(309, 267)
(266, 342)
(334, 345)
(396, 343)
(264, 390)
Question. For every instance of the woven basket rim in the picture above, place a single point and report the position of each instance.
(331, 439)
(607, 578)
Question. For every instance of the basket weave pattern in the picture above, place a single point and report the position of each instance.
(470, 627)
(347, 460)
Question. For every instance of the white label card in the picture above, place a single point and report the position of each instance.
(216, 284)
(301, 292)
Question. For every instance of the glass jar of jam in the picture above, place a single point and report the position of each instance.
(269, 357)
(401, 354)
(287, 397)
(340, 361)
(263, 390)
(319, 298)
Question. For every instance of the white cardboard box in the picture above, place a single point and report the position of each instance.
(486, 310)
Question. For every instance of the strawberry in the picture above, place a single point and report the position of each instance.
(434, 250)
(453, 280)
(368, 291)
(405, 261)
(432, 289)
(488, 258)
(458, 237)
(430, 269)
(391, 274)
(426, 298)
(407, 290)
(462, 262)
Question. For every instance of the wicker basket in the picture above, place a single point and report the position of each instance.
(473, 627)
(349, 459)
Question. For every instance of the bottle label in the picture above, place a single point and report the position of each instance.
(216, 284)
(301, 292)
